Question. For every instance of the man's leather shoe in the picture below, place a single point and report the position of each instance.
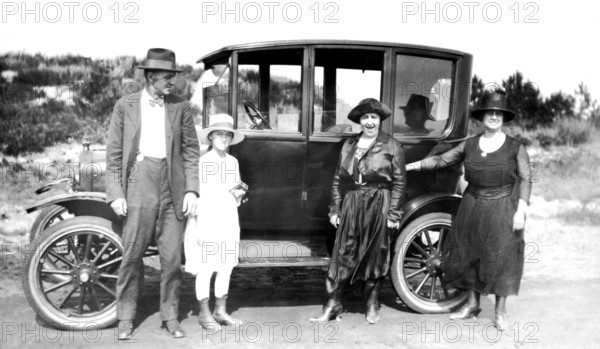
(125, 330)
(173, 328)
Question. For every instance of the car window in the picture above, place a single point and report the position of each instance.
(270, 90)
(212, 91)
(343, 77)
(423, 94)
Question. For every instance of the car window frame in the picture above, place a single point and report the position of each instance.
(321, 136)
(270, 134)
(452, 112)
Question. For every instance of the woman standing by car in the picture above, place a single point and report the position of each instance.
(212, 240)
(366, 195)
(483, 254)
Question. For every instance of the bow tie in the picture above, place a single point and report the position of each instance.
(159, 100)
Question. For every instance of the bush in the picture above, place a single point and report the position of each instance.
(525, 137)
(573, 131)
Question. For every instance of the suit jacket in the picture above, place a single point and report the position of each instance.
(382, 163)
(123, 142)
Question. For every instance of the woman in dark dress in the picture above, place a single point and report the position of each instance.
(483, 254)
(366, 196)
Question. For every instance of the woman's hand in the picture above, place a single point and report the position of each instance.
(519, 217)
(413, 166)
(334, 220)
(393, 225)
(519, 220)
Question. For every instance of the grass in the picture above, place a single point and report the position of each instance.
(581, 216)
(568, 173)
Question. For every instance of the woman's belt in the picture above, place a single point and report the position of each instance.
(368, 185)
(491, 193)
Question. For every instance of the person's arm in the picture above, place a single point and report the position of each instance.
(398, 184)
(114, 155)
(115, 173)
(336, 194)
(191, 155)
(524, 168)
(451, 157)
(190, 150)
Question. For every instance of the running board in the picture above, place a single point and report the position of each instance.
(250, 262)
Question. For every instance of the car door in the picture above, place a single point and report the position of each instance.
(268, 108)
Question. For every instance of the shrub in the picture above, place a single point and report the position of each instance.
(573, 131)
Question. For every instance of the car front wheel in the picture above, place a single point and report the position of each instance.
(77, 290)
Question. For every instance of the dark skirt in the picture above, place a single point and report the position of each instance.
(362, 244)
(483, 253)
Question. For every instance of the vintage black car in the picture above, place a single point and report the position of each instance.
(290, 99)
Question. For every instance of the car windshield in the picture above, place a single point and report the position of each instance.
(212, 91)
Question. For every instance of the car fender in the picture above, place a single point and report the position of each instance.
(432, 202)
(79, 204)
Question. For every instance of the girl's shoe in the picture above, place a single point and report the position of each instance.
(220, 313)
(205, 319)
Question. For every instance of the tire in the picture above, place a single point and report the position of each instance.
(48, 216)
(415, 273)
(78, 290)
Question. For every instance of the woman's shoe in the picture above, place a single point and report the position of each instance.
(333, 310)
(466, 313)
(372, 287)
(500, 322)
(372, 313)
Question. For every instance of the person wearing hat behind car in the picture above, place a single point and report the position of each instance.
(366, 196)
(416, 112)
(484, 251)
(212, 243)
(152, 164)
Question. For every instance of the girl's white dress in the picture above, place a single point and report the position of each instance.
(212, 237)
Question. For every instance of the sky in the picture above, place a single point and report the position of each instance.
(553, 43)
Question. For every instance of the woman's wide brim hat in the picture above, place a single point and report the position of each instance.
(419, 102)
(369, 105)
(494, 101)
(220, 122)
(160, 59)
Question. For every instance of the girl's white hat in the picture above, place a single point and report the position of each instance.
(220, 122)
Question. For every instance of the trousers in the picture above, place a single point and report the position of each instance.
(150, 217)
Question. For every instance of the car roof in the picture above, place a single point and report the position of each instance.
(282, 43)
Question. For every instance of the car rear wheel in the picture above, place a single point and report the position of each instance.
(416, 274)
(78, 289)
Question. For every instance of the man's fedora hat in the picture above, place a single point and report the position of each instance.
(419, 102)
(220, 122)
(369, 105)
(160, 59)
(493, 101)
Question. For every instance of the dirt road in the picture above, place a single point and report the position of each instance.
(557, 307)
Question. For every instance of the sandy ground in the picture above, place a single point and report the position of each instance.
(557, 306)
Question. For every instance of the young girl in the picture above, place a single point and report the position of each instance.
(212, 236)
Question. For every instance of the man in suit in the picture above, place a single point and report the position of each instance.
(152, 157)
